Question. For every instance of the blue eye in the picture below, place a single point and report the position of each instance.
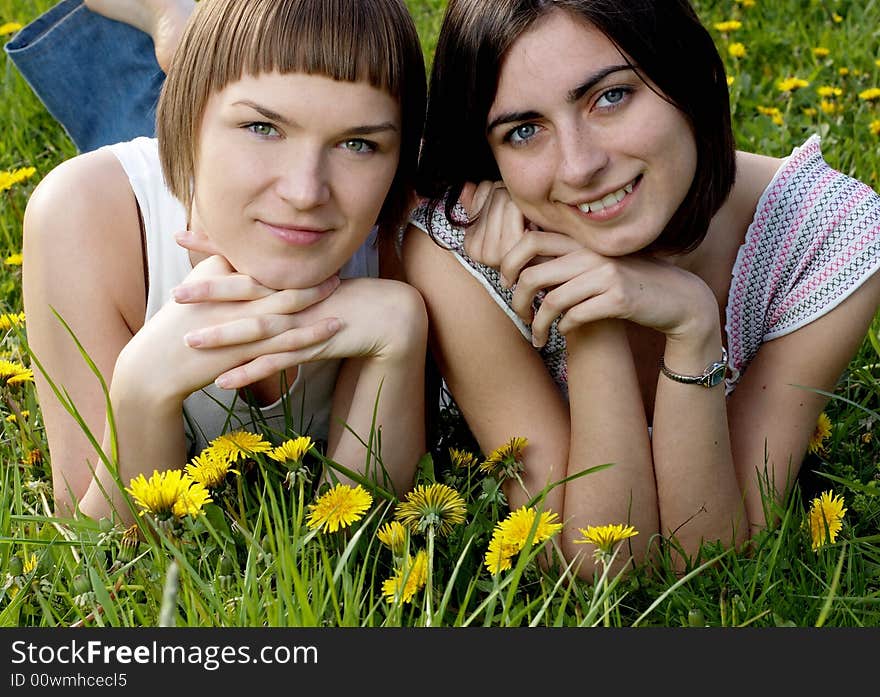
(261, 128)
(612, 97)
(358, 145)
(521, 133)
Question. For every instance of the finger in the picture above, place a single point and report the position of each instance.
(539, 277)
(242, 331)
(475, 233)
(467, 196)
(599, 307)
(196, 241)
(227, 288)
(290, 300)
(533, 245)
(268, 364)
(560, 301)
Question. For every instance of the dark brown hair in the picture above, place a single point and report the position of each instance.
(347, 40)
(663, 39)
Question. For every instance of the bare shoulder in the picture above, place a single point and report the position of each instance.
(82, 221)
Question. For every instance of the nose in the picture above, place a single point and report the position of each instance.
(304, 182)
(582, 155)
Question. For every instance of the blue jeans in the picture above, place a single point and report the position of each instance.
(98, 77)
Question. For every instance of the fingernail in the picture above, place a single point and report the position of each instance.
(504, 282)
(537, 343)
(334, 325)
(223, 382)
(180, 294)
(193, 339)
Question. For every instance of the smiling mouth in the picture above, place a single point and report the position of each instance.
(296, 236)
(609, 200)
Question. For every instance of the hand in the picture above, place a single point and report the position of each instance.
(498, 225)
(230, 313)
(584, 287)
(377, 318)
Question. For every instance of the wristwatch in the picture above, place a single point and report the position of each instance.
(714, 373)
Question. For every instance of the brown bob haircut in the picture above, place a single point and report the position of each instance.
(663, 40)
(374, 41)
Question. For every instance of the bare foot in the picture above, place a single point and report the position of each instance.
(163, 20)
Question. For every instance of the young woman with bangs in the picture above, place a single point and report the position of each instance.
(243, 260)
(639, 292)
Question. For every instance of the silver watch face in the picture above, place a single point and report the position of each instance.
(716, 374)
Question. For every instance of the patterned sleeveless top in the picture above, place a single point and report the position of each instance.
(814, 239)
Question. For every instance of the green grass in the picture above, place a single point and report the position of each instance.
(252, 560)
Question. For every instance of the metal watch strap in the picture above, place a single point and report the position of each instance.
(714, 373)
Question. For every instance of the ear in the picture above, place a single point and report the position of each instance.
(196, 241)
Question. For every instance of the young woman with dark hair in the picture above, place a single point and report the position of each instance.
(638, 292)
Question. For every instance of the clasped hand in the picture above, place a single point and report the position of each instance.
(578, 284)
(223, 326)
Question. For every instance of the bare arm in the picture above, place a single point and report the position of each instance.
(82, 258)
(775, 406)
(504, 390)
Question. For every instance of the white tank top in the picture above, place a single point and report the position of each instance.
(211, 411)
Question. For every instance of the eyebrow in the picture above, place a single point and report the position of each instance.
(572, 96)
(271, 115)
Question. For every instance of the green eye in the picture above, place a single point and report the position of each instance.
(358, 145)
(262, 129)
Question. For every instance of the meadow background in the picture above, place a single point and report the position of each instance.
(263, 553)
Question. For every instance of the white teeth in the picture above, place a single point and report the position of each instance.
(606, 201)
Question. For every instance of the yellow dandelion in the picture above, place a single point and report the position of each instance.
(746, 3)
(836, 18)
(730, 80)
(33, 457)
(409, 579)
(843, 72)
(820, 433)
(8, 321)
(877, 62)
(829, 91)
(809, 111)
(517, 527)
(605, 537)
(339, 507)
(874, 127)
(169, 493)
(821, 52)
(393, 536)
(829, 106)
(9, 178)
(826, 514)
(771, 111)
(870, 94)
(30, 565)
(790, 84)
(13, 373)
(728, 26)
(736, 50)
(462, 459)
(511, 534)
(499, 554)
(12, 418)
(293, 450)
(9, 28)
(436, 506)
(210, 468)
(240, 444)
(506, 460)
(13, 259)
